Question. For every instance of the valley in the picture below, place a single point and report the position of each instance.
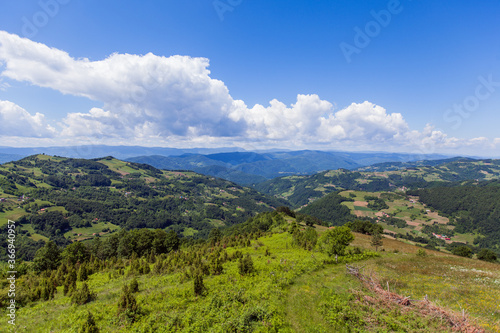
(167, 229)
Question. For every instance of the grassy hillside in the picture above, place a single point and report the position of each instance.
(289, 289)
(75, 199)
(300, 190)
(420, 220)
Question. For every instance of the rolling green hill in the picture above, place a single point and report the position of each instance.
(74, 199)
(266, 281)
(300, 190)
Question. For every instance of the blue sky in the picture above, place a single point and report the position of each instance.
(424, 77)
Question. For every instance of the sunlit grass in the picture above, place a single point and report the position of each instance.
(453, 282)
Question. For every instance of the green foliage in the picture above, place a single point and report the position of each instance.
(245, 265)
(365, 227)
(134, 286)
(306, 239)
(487, 255)
(377, 204)
(216, 267)
(83, 273)
(334, 241)
(214, 236)
(376, 240)
(330, 209)
(47, 257)
(89, 326)
(70, 282)
(398, 223)
(83, 295)
(474, 209)
(286, 210)
(85, 192)
(198, 285)
(463, 251)
(421, 253)
(260, 223)
(75, 252)
(128, 309)
(46, 290)
(252, 303)
(172, 241)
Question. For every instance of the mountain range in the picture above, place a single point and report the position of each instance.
(234, 164)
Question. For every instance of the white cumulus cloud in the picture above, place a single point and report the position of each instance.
(16, 121)
(175, 93)
(155, 99)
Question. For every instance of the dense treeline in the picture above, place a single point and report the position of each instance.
(330, 209)
(87, 191)
(474, 209)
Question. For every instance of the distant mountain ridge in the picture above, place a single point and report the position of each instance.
(119, 152)
(299, 190)
(4, 158)
(392, 166)
(252, 167)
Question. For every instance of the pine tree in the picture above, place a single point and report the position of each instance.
(145, 268)
(70, 282)
(61, 272)
(199, 286)
(158, 268)
(83, 295)
(127, 305)
(216, 266)
(245, 265)
(134, 286)
(377, 240)
(152, 258)
(89, 326)
(82, 273)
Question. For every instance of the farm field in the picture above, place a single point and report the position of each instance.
(414, 213)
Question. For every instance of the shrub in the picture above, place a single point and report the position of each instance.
(127, 305)
(245, 265)
(83, 295)
(70, 282)
(421, 253)
(82, 273)
(134, 286)
(487, 255)
(462, 251)
(199, 286)
(89, 326)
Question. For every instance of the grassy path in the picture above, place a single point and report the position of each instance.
(305, 295)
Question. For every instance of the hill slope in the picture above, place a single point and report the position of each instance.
(66, 199)
(300, 190)
(248, 283)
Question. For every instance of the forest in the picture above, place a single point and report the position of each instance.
(474, 209)
(61, 194)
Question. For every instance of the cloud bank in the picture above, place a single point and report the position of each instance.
(17, 122)
(164, 100)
